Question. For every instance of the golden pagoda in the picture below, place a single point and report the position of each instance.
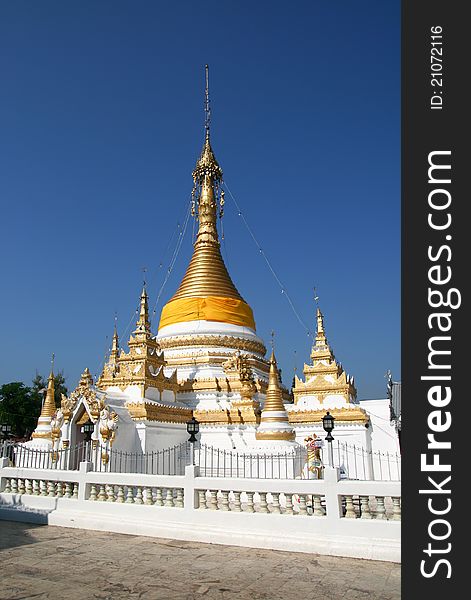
(43, 429)
(274, 423)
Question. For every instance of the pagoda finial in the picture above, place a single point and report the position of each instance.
(207, 107)
(143, 323)
(320, 323)
(115, 342)
(49, 405)
(207, 168)
(206, 276)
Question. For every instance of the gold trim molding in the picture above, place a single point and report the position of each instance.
(341, 415)
(226, 341)
(149, 411)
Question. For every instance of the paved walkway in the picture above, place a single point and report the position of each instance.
(54, 563)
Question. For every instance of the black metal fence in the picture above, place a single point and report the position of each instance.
(354, 462)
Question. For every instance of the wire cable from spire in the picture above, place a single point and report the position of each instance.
(273, 272)
(174, 257)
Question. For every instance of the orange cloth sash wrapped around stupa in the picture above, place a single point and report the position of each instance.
(211, 308)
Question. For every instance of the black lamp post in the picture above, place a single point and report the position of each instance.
(328, 424)
(192, 427)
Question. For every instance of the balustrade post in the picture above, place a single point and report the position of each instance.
(396, 516)
(179, 501)
(350, 514)
(93, 493)
(275, 503)
(289, 504)
(224, 500)
(365, 507)
(302, 504)
(263, 506)
(249, 505)
(213, 500)
(380, 513)
(202, 499)
(236, 505)
(159, 501)
(317, 509)
(120, 495)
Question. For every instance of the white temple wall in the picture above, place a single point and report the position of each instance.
(159, 436)
(383, 434)
(229, 437)
(168, 396)
(331, 401)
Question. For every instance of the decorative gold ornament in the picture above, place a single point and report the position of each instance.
(108, 425)
(83, 390)
(56, 424)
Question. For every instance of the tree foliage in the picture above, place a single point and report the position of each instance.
(20, 405)
(19, 408)
(40, 384)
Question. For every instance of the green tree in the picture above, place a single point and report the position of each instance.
(40, 384)
(19, 408)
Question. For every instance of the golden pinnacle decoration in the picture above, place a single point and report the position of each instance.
(325, 377)
(207, 291)
(274, 422)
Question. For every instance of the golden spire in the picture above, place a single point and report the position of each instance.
(143, 323)
(274, 398)
(207, 274)
(207, 277)
(115, 342)
(48, 410)
(49, 405)
(274, 422)
(320, 323)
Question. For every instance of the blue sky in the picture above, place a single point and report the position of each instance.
(101, 122)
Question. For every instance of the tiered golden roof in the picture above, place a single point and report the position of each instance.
(143, 365)
(325, 376)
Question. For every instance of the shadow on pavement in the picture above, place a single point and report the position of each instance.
(16, 533)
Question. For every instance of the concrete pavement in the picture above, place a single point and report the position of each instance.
(54, 563)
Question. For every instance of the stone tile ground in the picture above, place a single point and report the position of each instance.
(54, 563)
